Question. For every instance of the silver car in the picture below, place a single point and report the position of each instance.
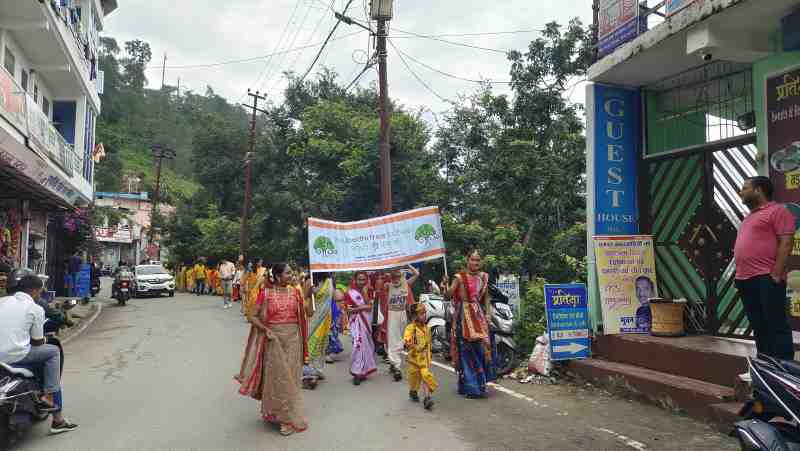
(152, 280)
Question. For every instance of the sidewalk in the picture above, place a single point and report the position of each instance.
(83, 315)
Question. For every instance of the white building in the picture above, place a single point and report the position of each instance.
(49, 101)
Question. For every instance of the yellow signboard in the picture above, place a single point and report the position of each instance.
(626, 275)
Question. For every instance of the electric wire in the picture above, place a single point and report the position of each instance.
(462, 44)
(446, 74)
(324, 44)
(417, 77)
(283, 58)
(277, 46)
(254, 58)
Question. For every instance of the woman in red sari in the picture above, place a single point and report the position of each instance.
(276, 350)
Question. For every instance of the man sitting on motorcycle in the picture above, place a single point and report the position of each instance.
(22, 343)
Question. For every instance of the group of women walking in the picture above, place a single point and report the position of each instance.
(277, 346)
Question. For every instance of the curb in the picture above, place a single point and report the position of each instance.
(85, 324)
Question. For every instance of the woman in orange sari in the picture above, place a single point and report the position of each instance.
(276, 350)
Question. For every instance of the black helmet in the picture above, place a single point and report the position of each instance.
(17, 275)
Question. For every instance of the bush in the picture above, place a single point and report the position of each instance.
(532, 318)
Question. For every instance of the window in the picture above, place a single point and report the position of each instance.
(35, 93)
(46, 106)
(10, 62)
(24, 80)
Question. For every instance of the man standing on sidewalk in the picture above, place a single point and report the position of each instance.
(763, 245)
(74, 266)
(226, 273)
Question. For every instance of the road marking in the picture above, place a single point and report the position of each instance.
(624, 439)
(639, 446)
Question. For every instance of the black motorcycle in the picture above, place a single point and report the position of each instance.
(776, 394)
(20, 405)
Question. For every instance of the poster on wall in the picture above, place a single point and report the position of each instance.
(626, 276)
(618, 24)
(508, 284)
(783, 147)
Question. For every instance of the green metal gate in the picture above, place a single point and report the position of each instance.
(693, 211)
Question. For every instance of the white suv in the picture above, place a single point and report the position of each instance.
(153, 280)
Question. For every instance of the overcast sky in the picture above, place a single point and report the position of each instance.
(211, 31)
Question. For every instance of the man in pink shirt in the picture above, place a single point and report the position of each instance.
(763, 244)
(226, 273)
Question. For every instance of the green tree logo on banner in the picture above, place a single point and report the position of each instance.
(425, 234)
(324, 246)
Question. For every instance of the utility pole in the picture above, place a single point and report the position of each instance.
(383, 99)
(159, 153)
(163, 70)
(248, 161)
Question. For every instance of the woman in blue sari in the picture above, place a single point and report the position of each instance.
(470, 342)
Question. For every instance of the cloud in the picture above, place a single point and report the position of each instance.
(201, 32)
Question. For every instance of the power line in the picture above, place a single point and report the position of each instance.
(433, 38)
(330, 35)
(252, 59)
(283, 57)
(453, 35)
(446, 74)
(414, 74)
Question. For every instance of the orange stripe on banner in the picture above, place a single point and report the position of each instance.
(372, 222)
(377, 263)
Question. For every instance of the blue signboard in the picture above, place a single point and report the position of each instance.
(621, 35)
(567, 321)
(617, 137)
(673, 6)
(84, 285)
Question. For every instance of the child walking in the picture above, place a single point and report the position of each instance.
(417, 337)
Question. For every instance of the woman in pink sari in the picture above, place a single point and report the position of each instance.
(277, 347)
(358, 301)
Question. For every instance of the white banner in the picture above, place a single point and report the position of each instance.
(378, 243)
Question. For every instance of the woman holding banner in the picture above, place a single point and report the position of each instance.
(358, 301)
(470, 343)
(276, 349)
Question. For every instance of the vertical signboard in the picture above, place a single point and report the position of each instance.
(508, 284)
(626, 275)
(617, 135)
(783, 147)
(618, 24)
(567, 321)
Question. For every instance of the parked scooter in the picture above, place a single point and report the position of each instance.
(501, 326)
(20, 404)
(436, 309)
(776, 393)
(122, 287)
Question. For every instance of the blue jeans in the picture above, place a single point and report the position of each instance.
(200, 286)
(227, 290)
(48, 358)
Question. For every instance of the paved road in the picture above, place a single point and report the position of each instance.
(157, 374)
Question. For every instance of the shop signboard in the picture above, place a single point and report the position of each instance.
(567, 321)
(118, 234)
(783, 147)
(616, 150)
(626, 276)
(84, 283)
(618, 24)
(40, 171)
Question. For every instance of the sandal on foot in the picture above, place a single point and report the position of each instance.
(427, 403)
(286, 431)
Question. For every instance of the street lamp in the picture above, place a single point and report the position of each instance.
(380, 9)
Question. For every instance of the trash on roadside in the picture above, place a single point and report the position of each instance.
(539, 361)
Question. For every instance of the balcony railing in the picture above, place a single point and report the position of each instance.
(49, 140)
(21, 111)
(80, 38)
